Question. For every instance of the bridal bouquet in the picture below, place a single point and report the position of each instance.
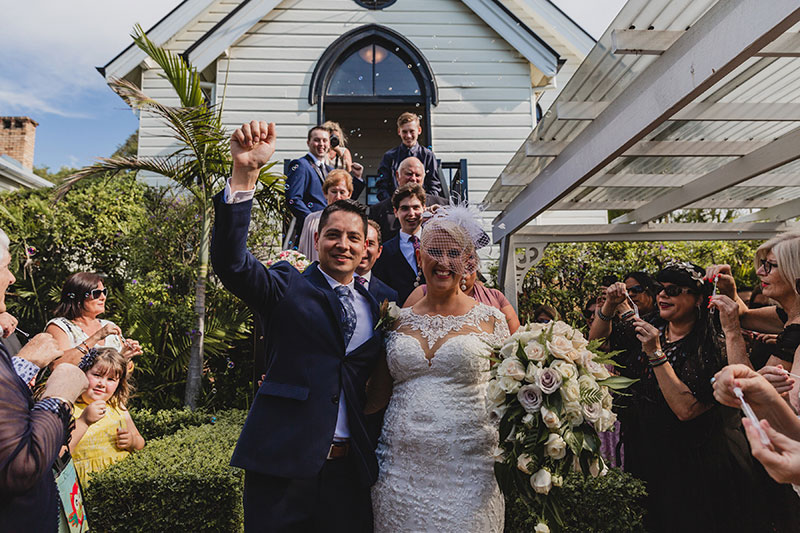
(550, 389)
(295, 258)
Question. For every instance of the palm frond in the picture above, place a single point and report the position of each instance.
(180, 75)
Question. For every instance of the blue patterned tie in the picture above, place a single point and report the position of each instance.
(348, 312)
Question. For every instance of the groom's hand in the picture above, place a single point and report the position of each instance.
(252, 146)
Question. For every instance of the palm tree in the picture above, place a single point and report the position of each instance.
(200, 164)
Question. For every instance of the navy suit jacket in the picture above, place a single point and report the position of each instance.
(291, 423)
(393, 269)
(304, 189)
(387, 177)
(381, 291)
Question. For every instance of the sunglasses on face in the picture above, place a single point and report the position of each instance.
(767, 266)
(636, 289)
(671, 290)
(95, 293)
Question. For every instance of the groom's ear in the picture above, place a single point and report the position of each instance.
(316, 241)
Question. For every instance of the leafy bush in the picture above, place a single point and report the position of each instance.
(612, 503)
(181, 482)
(168, 421)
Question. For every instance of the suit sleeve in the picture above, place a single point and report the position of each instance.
(237, 268)
(29, 439)
(432, 170)
(385, 183)
(296, 183)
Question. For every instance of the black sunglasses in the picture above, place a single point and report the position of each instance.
(636, 289)
(672, 290)
(94, 294)
(767, 266)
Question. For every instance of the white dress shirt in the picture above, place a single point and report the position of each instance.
(407, 248)
(238, 196)
(361, 334)
(367, 276)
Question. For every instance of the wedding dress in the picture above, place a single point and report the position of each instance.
(435, 452)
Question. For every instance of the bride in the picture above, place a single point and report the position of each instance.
(435, 453)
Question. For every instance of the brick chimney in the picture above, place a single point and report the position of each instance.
(17, 138)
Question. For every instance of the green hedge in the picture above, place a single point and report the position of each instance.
(167, 421)
(608, 504)
(181, 482)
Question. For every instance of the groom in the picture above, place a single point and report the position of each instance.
(305, 448)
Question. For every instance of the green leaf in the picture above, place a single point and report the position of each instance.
(617, 382)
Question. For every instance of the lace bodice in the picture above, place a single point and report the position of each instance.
(437, 421)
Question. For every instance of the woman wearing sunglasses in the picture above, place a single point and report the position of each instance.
(76, 326)
(691, 451)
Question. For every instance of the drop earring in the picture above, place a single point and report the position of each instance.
(419, 277)
(463, 284)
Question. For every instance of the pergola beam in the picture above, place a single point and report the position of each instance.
(773, 155)
(724, 38)
(769, 179)
(778, 213)
(650, 232)
(656, 42)
(705, 111)
(658, 148)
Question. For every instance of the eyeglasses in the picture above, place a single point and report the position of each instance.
(636, 289)
(94, 294)
(767, 266)
(671, 290)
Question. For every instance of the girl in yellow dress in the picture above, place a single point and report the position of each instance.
(104, 431)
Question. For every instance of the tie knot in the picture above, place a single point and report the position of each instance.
(342, 291)
(361, 280)
(414, 241)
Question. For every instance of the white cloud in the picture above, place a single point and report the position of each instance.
(55, 47)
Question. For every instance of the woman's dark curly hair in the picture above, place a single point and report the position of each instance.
(77, 288)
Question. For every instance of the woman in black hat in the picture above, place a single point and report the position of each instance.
(691, 451)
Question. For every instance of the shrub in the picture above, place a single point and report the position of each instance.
(612, 503)
(167, 421)
(181, 482)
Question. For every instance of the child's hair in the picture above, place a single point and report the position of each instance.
(110, 360)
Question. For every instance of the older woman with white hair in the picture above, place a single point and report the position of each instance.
(435, 375)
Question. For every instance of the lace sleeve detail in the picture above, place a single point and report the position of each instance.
(500, 331)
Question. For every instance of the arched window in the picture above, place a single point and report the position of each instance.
(375, 4)
(373, 70)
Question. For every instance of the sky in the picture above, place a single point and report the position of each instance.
(48, 59)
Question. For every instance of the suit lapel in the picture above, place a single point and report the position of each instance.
(315, 167)
(315, 277)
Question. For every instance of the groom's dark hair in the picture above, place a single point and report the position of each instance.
(347, 205)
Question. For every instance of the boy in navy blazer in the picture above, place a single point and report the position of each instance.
(305, 177)
(305, 446)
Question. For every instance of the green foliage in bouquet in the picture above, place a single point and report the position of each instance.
(550, 388)
(181, 482)
(607, 504)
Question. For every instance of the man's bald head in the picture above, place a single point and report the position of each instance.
(411, 170)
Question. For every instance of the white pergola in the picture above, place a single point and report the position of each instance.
(682, 104)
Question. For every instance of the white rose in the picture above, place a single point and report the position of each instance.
(548, 380)
(588, 382)
(508, 350)
(498, 454)
(592, 412)
(579, 341)
(496, 414)
(567, 370)
(495, 395)
(606, 421)
(561, 347)
(523, 461)
(570, 390)
(530, 374)
(511, 368)
(562, 329)
(574, 413)
(528, 419)
(550, 418)
(542, 481)
(509, 385)
(526, 337)
(541, 527)
(536, 328)
(392, 310)
(535, 351)
(530, 397)
(595, 369)
(555, 446)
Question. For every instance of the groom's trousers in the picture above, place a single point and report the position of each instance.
(333, 501)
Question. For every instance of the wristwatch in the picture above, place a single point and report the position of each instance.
(658, 354)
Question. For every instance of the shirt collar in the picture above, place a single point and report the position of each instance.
(367, 276)
(313, 158)
(405, 236)
(333, 283)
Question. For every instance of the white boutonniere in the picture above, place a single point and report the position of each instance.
(388, 314)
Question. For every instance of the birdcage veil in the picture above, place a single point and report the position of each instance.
(453, 234)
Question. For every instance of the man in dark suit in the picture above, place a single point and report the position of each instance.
(410, 170)
(397, 265)
(32, 434)
(304, 181)
(305, 447)
(378, 289)
(409, 130)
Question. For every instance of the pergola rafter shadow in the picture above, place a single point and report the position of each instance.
(704, 115)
